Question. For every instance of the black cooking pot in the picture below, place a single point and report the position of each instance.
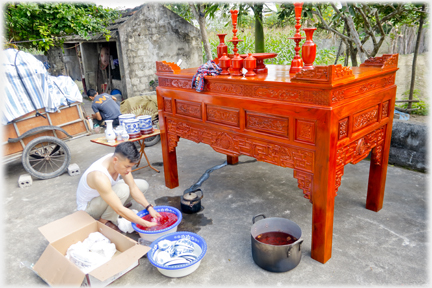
(191, 201)
(276, 258)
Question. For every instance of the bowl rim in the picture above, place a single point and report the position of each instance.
(179, 266)
(131, 120)
(144, 116)
(144, 212)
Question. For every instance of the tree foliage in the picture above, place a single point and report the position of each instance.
(45, 24)
(357, 22)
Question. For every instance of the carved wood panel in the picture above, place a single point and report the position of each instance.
(266, 123)
(365, 118)
(178, 83)
(361, 88)
(305, 131)
(167, 105)
(338, 181)
(343, 128)
(385, 109)
(235, 145)
(259, 91)
(305, 183)
(326, 74)
(358, 149)
(221, 115)
(187, 108)
(163, 66)
(385, 61)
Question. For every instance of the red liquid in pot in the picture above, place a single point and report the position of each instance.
(165, 221)
(276, 238)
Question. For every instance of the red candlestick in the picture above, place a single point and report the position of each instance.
(297, 63)
(234, 40)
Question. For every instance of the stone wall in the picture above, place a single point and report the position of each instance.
(64, 63)
(409, 145)
(152, 34)
(56, 61)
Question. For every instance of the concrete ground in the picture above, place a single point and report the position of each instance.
(385, 248)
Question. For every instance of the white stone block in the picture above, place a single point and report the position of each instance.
(73, 169)
(25, 180)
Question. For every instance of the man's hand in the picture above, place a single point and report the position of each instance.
(154, 213)
(147, 223)
(97, 116)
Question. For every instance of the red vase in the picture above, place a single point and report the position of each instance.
(222, 47)
(308, 49)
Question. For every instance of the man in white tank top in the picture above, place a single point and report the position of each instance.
(103, 195)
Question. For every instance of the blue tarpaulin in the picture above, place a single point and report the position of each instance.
(29, 87)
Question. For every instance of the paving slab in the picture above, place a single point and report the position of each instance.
(385, 248)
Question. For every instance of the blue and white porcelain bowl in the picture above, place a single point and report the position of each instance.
(132, 126)
(177, 267)
(145, 122)
(124, 117)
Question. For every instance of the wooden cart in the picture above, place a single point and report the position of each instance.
(40, 140)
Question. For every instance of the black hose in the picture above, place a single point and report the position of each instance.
(204, 177)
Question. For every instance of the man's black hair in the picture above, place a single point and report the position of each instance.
(91, 92)
(128, 150)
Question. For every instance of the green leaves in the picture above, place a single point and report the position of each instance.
(35, 21)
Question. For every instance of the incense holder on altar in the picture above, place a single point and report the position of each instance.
(236, 66)
(224, 63)
(260, 66)
(249, 63)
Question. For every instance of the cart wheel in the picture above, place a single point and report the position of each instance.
(46, 157)
(151, 140)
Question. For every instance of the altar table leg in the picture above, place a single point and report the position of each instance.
(323, 195)
(232, 160)
(169, 161)
(378, 174)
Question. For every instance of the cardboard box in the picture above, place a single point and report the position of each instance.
(55, 269)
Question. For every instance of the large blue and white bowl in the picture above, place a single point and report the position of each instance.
(179, 270)
(132, 126)
(153, 235)
(124, 117)
(145, 122)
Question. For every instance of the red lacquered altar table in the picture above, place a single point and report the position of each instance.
(315, 122)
